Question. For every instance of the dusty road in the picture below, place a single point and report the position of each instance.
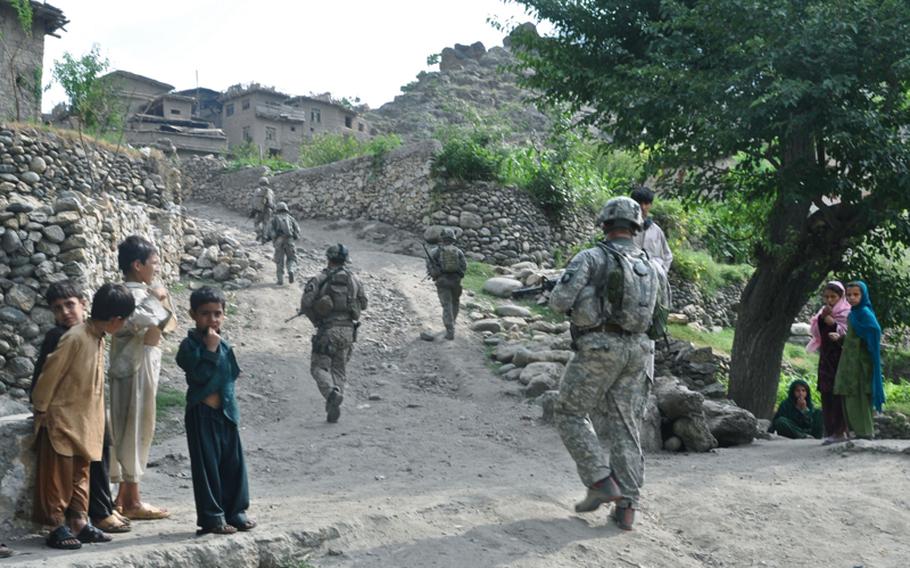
(438, 462)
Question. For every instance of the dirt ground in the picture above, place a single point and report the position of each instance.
(436, 462)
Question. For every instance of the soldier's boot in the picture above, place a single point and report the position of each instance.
(623, 515)
(333, 405)
(604, 491)
(280, 275)
(290, 277)
(450, 333)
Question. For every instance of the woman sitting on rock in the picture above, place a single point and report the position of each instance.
(797, 416)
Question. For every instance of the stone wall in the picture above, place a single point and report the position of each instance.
(498, 225)
(60, 219)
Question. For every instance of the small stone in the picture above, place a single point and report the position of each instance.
(12, 315)
(54, 233)
(427, 336)
(30, 178)
(492, 325)
(510, 310)
(37, 165)
(374, 396)
(501, 287)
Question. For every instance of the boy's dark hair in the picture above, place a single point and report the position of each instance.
(134, 248)
(63, 290)
(642, 194)
(206, 295)
(112, 301)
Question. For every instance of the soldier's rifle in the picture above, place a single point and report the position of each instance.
(293, 317)
(430, 261)
(545, 286)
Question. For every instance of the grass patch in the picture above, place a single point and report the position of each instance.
(709, 275)
(168, 398)
(721, 342)
(476, 275)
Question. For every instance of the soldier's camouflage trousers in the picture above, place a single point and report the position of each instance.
(450, 298)
(332, 348)
(285, 253)
(607, 376)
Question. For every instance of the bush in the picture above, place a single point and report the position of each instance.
(247, 156)
(467, 157)
(708, 274)
(328, 148)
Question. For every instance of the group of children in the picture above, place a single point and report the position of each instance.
(80, 451)
(847, 336)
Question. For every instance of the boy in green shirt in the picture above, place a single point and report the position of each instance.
(216, 456)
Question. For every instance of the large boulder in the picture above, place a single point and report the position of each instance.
(501, 286)
(526, 357)
(694, 433)
(541, 371)
(17, 472)
(675, 400)
(510, 310)
(730, 424)
(492, 325)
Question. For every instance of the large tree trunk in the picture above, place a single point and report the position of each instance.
(769, 304)
(790, 265)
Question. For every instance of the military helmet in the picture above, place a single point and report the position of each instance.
(447, 235)
(282, 207)
(263, 180)
(337, 253)
(621, 212)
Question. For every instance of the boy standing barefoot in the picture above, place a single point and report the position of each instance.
(134, 373)
(69, 420)
(216, 455)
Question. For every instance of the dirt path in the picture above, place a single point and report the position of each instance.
(437, 462)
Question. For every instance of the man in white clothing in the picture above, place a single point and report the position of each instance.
(651, 238)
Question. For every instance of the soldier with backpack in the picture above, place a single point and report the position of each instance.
(619, 300)
(284, 230)
(261, 211)
(446, 265)
(333, 301)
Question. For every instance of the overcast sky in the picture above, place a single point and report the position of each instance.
(352, 48)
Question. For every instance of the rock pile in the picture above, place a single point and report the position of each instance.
(687, 409)
(208, 254)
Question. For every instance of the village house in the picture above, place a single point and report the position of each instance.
(153, 113)
(274, 124)
(22, 55)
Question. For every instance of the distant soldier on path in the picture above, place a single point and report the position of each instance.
(333, 301)
(446, 265)
(284, 231)
(263, 206)
(613, 291)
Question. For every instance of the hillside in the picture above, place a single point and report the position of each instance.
(471, 87)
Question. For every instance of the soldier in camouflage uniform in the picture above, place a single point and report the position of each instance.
(612, 366)
(263, 205)
(446, 265)
(284, 230)
(333, 301)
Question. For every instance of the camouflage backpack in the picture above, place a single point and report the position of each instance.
(332, 293)
(637, 293)
(448, 259)
(284, 225)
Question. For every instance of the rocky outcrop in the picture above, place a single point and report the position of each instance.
(472, 81)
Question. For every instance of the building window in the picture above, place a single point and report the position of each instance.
(245, 104)
(246, 134)
(348, 121)
(270, 134)
(175, 111)
(229, 109)
(293, 129)
(274, 153)
(360, 126)
(315, 116)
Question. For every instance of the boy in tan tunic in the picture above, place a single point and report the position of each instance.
(69, 420)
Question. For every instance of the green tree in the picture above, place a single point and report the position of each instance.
(91, 100)
(812, 94)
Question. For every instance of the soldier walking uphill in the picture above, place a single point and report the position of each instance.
(263, 206)
(333, 301)
(446, 265)
(618, 299)
(284, 230)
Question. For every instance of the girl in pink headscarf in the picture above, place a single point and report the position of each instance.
(828, 328)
